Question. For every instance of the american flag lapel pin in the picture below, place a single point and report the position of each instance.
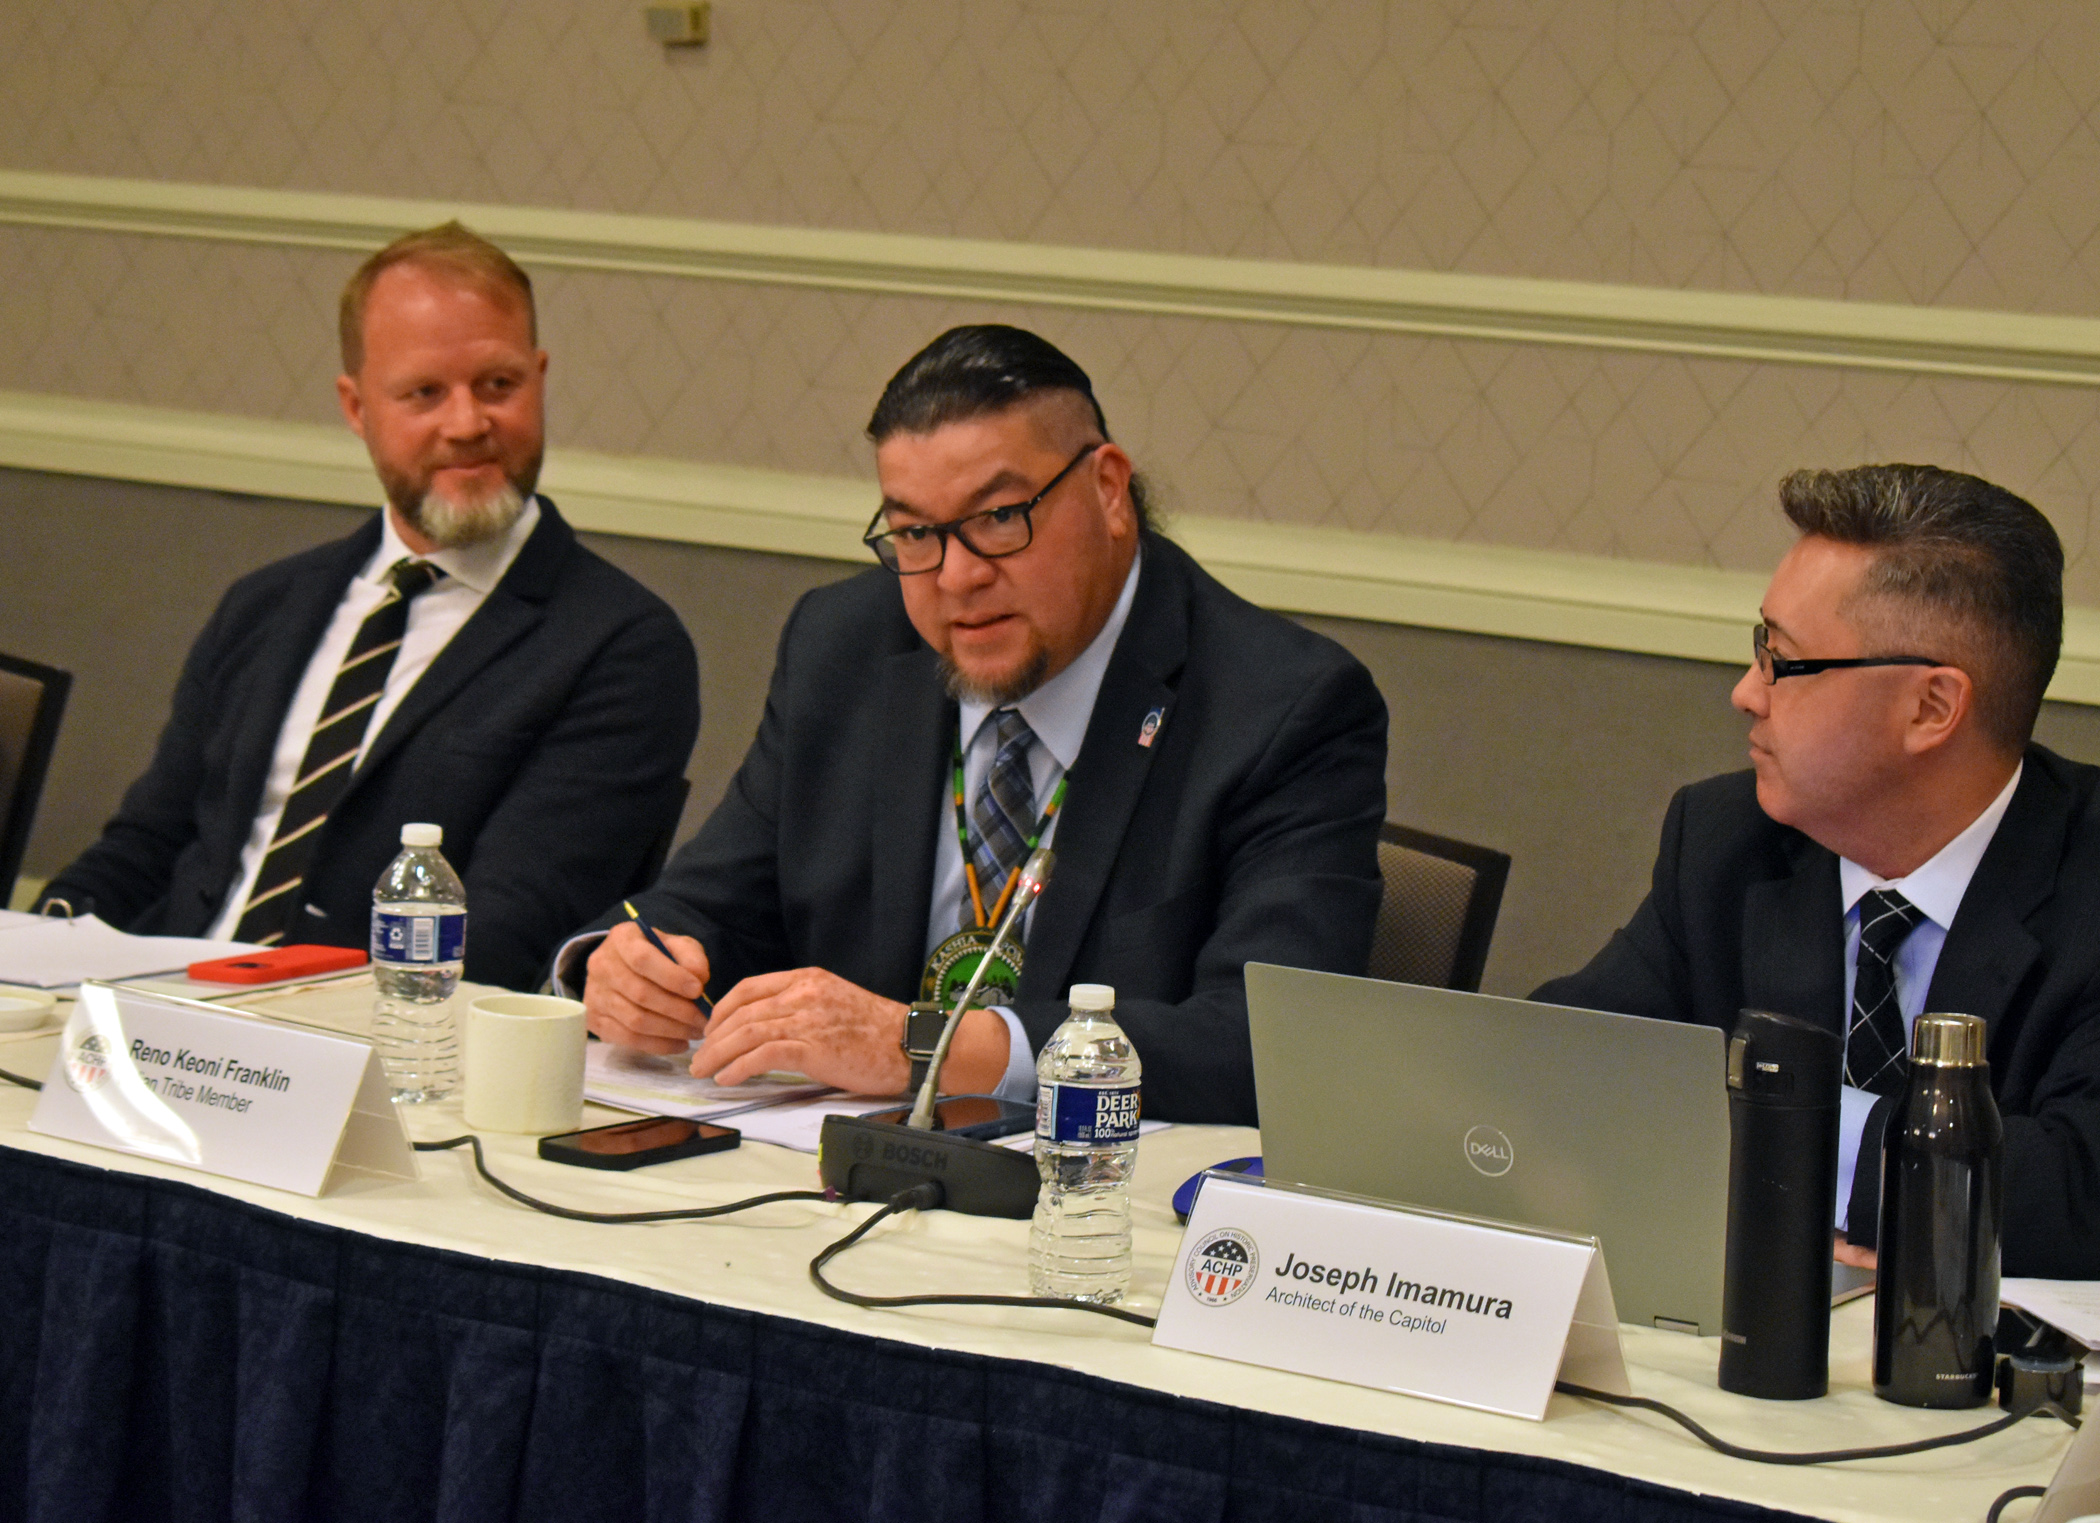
(1150, 728)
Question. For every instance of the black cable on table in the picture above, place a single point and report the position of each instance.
(928, 1195)
(924, 1197)
(2008, 1498)
(18, 1079)
(615, 1218)
(1812, 1457)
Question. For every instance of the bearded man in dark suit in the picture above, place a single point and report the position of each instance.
(461, 660)
(1900, 844)
(1030, 662)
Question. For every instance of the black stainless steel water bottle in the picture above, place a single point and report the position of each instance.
(1783, 1082)
(1942, 1205)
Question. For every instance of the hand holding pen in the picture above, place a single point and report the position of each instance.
(646, 991)
(707, 1006)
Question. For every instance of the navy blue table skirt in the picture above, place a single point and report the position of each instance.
(168, 1353)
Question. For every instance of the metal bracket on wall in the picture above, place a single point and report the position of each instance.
(679, 26)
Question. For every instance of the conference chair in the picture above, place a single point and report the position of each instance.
(1438, 913)
(32, 698)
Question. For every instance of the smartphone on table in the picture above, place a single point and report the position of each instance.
(634, 1144)
(979, 1117)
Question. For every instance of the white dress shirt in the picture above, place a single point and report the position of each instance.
(471, 573)
(1059, 712)
(1936, 889)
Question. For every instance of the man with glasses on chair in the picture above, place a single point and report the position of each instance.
(1031, 664)
(1900, 844)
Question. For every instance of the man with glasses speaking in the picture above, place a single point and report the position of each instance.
(1900, 844)
(1032, 664)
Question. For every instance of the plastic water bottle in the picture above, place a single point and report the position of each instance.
(1086, 1129)
(419, 942)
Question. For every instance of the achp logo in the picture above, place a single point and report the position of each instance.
(1222, 1267)
(1489, 1151)
(87, 1063)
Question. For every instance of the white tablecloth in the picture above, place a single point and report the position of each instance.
(760, 1262)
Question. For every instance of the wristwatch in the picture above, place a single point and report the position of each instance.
(922, 1034)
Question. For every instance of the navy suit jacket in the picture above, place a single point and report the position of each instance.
(549, 738)
(1246, 831)
(1744, 913)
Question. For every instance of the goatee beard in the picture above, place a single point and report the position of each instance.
(967, 689)
(449, 524)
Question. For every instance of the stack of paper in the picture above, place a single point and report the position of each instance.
(787, 1110)
(656, 1086)
(55, 953)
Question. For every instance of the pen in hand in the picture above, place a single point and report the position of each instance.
(707, 1006)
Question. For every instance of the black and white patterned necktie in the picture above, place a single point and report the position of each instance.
(1874, 1044)
(331, 755)
(1004, 809)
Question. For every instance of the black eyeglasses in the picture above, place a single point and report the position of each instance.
(1771, 666)
(990, 534)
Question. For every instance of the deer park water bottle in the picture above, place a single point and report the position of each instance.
(1086, 1129)
(419, 942)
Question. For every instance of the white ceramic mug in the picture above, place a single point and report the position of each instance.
(25, 1009)
(524, 1064)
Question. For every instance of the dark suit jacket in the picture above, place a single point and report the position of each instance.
(1744, 913)
(549, 738)
(1246, 831)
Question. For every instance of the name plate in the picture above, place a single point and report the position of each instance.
(231, 1094)
(1452, 1308)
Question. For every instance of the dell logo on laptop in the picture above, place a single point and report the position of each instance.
(1489, 1151)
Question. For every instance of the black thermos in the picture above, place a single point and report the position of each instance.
(1942, 1204)
(1783, 1081)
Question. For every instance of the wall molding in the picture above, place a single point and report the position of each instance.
(1690, 612)
(2011, 346)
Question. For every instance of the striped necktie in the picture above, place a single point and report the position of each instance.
(339, 734)
(1004, 809)
(1875, 1051)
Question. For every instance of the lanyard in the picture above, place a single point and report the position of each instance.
(962, 834)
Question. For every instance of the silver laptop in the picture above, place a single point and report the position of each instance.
(1606, 1125)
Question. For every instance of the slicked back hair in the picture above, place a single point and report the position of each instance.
(450, 247)
(985, 368)
(1983, 567)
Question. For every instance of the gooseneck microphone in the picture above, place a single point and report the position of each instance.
(865, 1159)
(1783, 1081)
(1035, 872)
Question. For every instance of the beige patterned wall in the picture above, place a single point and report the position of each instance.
(1913, 151)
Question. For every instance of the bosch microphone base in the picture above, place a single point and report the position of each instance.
(874, 1160)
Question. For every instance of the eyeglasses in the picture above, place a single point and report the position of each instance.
(989, 534)
(1771, 666)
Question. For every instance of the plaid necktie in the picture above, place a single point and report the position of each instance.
(1003, 811)
(1874, 1044)
(339, 734)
